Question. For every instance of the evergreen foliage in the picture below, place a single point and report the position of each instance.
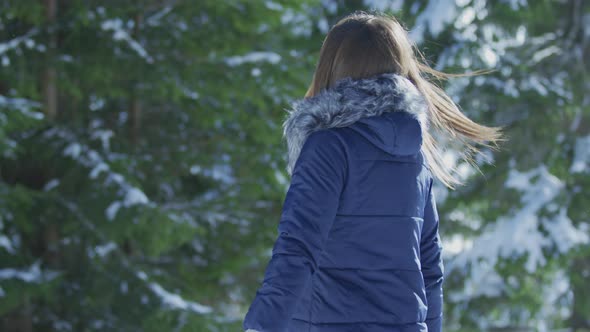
(142, 170)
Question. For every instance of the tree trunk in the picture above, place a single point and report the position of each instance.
(579, 270)
(135, 118)
(135, 111)
(19, 320)
(50, 73)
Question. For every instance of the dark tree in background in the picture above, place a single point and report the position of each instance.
(142, 168)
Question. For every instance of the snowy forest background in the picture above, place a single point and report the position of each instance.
(142, 168)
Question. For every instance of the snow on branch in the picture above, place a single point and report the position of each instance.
(133, 196)
(14, 43)
(171, 300)
(435, 17)
(22, 105)
(6, 243)
(519, 233)
(581, 162)
(33, 274)
(253, 57)
(91, 159)
(385, 5)
(154, 20)
(119, 33)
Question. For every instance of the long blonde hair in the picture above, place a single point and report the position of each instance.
(361, 45)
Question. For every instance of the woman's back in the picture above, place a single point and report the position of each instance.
(370, 268)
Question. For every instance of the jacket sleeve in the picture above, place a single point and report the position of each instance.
(307, 216)
(432, 264)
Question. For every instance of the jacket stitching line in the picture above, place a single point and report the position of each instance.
(376, 215)
(365, 269)
(360, 322)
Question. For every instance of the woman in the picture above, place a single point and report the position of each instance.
(358, 246)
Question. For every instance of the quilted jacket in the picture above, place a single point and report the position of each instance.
(358, 246)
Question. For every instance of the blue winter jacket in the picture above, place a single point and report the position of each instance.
(358, 247)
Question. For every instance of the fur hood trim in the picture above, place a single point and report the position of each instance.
(348, 101)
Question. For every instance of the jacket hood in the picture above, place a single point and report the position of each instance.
(386, 109)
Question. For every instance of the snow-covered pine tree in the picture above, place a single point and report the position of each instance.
(136, 138)
(516, 238)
